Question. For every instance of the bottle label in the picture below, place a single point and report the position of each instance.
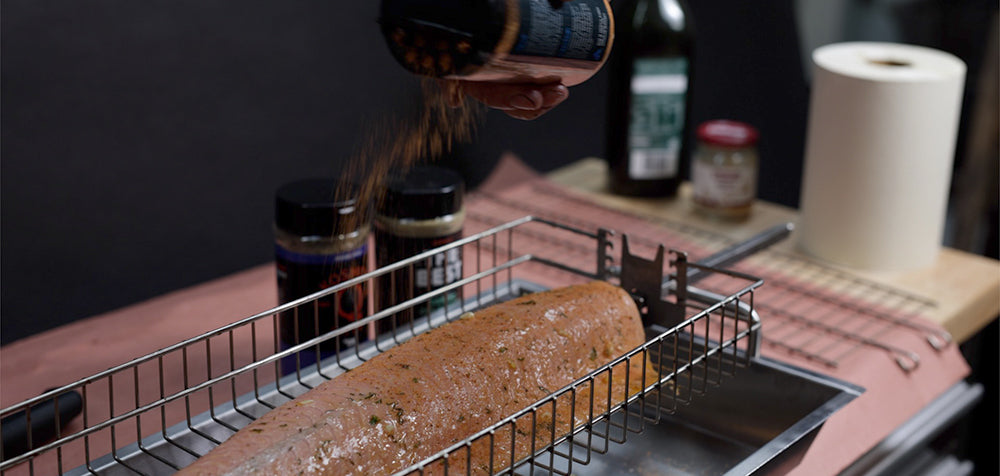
(301, 274)
(578, 30)
(722, 186)
(420, 278)
(659, 89)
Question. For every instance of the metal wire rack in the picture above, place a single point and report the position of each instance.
(159, 412)
(814, 312)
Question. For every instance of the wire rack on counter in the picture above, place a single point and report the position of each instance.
(814, 312)
(160, 412)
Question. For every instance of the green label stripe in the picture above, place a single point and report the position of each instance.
(661, 66)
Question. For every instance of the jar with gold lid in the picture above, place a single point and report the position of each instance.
(724, 169)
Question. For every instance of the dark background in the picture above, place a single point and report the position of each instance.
(142, 140)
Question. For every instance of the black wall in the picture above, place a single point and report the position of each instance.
(142, 140)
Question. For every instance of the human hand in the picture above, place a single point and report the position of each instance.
(524, 101)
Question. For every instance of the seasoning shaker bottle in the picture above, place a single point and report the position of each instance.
(724, 169)
(320, 241)
(499, 40)
(421, 210)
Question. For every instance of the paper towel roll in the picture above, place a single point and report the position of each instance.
(883, 119)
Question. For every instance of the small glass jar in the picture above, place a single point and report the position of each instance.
(421, 210)
(724, 169)
(320, 241)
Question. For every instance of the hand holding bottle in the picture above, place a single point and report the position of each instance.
(521, 101)
(525, 101)
(517, 59)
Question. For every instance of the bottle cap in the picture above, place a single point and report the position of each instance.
(424, 192)
(727, 133)
(311, 207)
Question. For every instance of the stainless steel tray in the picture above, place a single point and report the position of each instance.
(760, 422)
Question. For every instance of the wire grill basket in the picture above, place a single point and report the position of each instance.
(158, 413)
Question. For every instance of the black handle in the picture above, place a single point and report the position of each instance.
(42, 418)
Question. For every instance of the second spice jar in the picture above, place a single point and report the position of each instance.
(421, 210)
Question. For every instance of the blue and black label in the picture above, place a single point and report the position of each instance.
(301, 274)
(289, 256)
(580, 29)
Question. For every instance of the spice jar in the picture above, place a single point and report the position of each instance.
(724, 169)
(421, 210)
(488, 40)
(320, 241)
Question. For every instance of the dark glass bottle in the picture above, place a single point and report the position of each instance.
(649, 99)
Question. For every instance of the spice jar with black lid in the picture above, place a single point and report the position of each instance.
(421, 210)
(320, 241)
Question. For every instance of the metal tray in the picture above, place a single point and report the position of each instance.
(759, 422)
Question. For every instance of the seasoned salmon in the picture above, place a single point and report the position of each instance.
(443, 386)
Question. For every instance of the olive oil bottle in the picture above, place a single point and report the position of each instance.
(649, 99)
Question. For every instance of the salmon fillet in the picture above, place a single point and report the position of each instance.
(443, 386)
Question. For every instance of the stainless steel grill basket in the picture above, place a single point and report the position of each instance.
(158, 413)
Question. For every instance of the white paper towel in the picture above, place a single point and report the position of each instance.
(883, 121)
